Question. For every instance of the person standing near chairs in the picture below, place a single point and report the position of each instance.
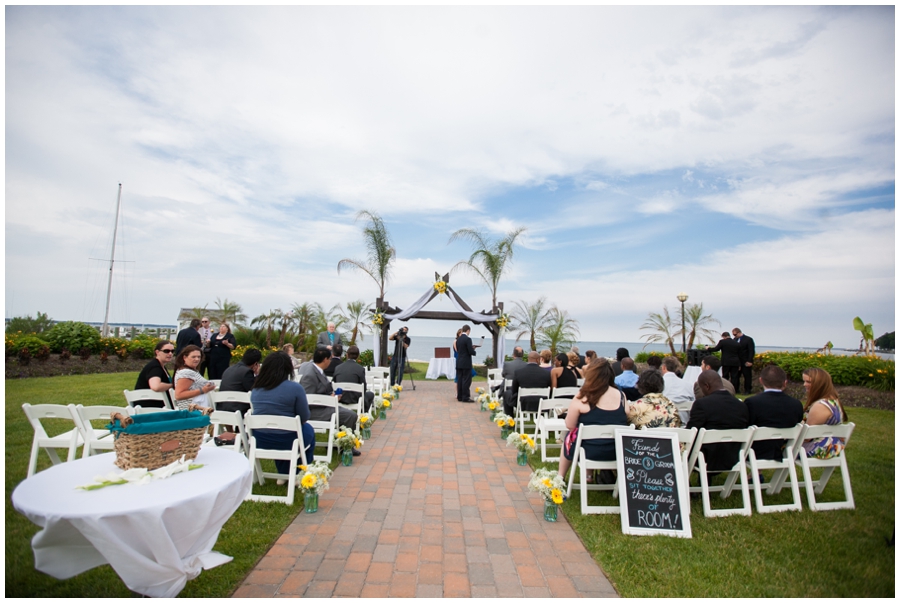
(154, 375)
(328, 339)
(189, 336)
(747, 352)
(220, 347)
(731, 359)
(205, 337)
(275, 393)
(398, 360)
(465, 351)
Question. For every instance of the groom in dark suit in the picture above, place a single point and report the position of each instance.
(465, 350)
(731, 359)
(748, 351)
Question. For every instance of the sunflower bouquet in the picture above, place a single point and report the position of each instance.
(491, 404)
(522, 441)
(503, 321)
(365, 425)
(550, 484)
(440, 287)
(315, 478)
(505, 423)
(347, 439)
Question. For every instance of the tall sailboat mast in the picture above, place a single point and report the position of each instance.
(112, 258)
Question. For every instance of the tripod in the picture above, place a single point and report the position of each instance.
(403, 365)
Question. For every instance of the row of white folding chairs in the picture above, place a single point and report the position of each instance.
(545, 393)
(693, 459)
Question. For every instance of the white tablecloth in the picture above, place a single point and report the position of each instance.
(156, 537)
(441, 366)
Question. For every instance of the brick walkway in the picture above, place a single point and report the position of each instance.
(435, 507)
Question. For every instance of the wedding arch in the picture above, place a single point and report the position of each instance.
(464, 313)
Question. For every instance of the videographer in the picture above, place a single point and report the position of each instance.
(398, 361)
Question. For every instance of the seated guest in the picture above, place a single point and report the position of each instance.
(711, 363)
(773, 408)
(676, 390)
(276, 394)
(337, 350)
(580, 364)
(654, 362)
(295, 362)
(598, 403)
(546, 358)
(822, 408)
(239, 378)
(589, 357)
(627, 378)
(652, 408)
(562, 374)
(574, 359)
(510, 368)
(621, 353)
(313, 380)
(351, 372)
(530, 375)
(718, 409)
(190, 386)
(155, 376)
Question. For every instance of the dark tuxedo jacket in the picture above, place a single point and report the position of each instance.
(314, 382)
(719, 410)
(465, 350)
(731, 352)
(187, 337)
(510, 368)
(747, 348)
(350, 372)
(773, 409)
(530, 375)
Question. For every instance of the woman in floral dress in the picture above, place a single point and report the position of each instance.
(822, 408)
(653, 409)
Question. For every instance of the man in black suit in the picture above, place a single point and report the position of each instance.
(350, 371)
(465, 350)
(773, 408)
(530, 375)
(748, 351)
(312, 378)
(510, 368)
(617, 365)
(189, 336)
(718, 409)
(731, 358)
(337, 350)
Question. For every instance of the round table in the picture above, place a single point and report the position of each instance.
(155, 536)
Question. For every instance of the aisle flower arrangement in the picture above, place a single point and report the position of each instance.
(346, 440)
(396, 389)
(313, 482)
(382, 404)
(483, 401)
(365, 426)
(524, 444)
(505, 423)
(550, 485)
(493, 405)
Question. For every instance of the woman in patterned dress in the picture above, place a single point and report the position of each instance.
(653, 409)
(822, 408)
(190, 386)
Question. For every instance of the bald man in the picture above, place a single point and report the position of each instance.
(718, 409)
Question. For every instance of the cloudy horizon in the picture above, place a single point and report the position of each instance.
(744, 155)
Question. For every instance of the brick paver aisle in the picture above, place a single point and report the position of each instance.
(435, 507)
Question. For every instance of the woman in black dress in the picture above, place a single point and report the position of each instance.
(563, 375)
(220, 346)
(154, 375)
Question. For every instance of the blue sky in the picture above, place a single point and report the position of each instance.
(744, 155)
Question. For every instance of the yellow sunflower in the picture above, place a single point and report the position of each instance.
(556, 496)
(309, 481)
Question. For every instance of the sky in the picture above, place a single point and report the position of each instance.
(742, 155)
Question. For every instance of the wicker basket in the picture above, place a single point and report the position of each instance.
(154, 450)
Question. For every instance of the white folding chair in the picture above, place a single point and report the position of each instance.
(784, 467)
(219, 419)
(140, 410)
(327, 427)
(253, 422)
(216, 382)
(219, 397)
(686, 438)
(135, 397)
(548, 421)
(528, 415)
(697, 461)
(94, 439)
(579, 383)
(814, 432)
(494, 378)
(359, 388)
(581, 463)
(565, 392)
(70, 440)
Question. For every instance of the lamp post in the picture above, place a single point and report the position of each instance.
(682, 297)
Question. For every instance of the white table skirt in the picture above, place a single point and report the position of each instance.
(441, 366)
(156, 537)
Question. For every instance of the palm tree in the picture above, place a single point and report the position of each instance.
(529, 319)
(380, 252)
(287, 320)
(305, 318)
(189, 314)
(695, 325)
(661, 328)
(267, 320)
(560, 330)
(356, 315)
(322, 317)
(230, 312)
(489, 259)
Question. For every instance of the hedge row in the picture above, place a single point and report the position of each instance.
(867, 371)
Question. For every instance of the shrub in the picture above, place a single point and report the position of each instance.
(27, 324)
(644, 356)
(43, 354)
(16, 343)
(367, 358)
(104, 357)
(64, 355)
(72, 335)
(238, 352)
(111, 344)
(85, 353)
(867, 371)
(142, 346)
(24, 356)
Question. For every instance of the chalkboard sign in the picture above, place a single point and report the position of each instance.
(654, 488)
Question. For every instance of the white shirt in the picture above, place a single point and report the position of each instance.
(678, 392)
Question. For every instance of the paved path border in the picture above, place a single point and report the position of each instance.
(435, 507)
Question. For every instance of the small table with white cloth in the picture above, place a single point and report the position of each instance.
(441, 366)
(156, 536)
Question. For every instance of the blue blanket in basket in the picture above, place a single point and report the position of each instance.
(156, 422)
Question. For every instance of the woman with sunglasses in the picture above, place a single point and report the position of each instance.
(154, 375)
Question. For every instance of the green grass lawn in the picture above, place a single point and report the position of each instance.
(788, 554)
(247, 536)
